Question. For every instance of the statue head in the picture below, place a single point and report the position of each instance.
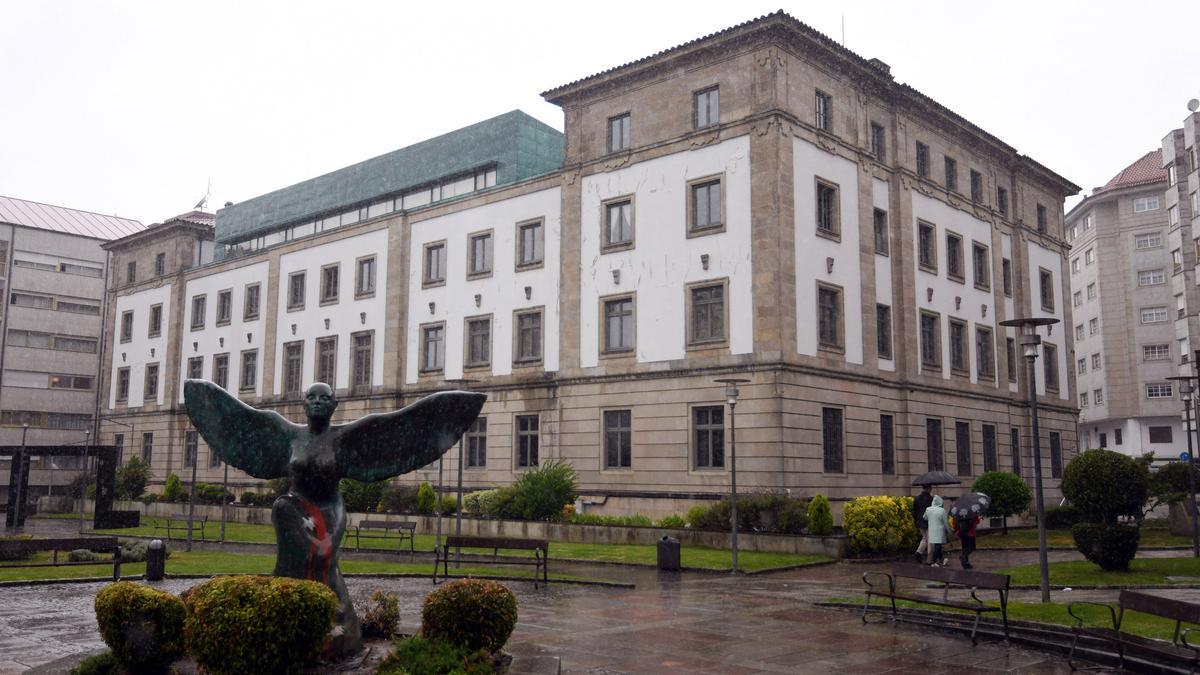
(320, 401)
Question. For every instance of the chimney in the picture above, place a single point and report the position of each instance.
(885, 68)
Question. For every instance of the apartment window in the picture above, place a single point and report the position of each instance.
(1098, 395)
(155, 321)
(433, 347)
(1079, 332)
(1077, 298)
(922, 160)
(1095, 362)
(527, 440)
(1002, 201)
(480, 247)
(878, 142)
(990, 460)
(708, 314)
(195, 368)
(123, 384)
(823, 107)
(151, 389)
(618, 133)
(985, 365)
(1046, 287)
(360, 368)
(1056, 459)
(529, 336)
(982, 268)
(931, 358)
(127, 325)
(1172, 178)
(976, 186)
(295, 290)
(119, 442)
(1041, 219)
(160, 264)
(326, 366)
(1154, 315)
(1173, 216)
(1117, 436)
(1159, 352)
(224, 307)
(933, 444)
(1149, 203)
(828, 218)
(1093, 326)
(708, 436)
(951, 167)
(1014, 448)
(618, 325)
(1161, 435)
(330, 282)
(1091, 291)
(1151, 277)
(1050, 366)
(221, 370)
(1148, 240)
(887, 445)
(131, 271)
(832, 440)
(477, 444)
(364, 277)
(618, 439)
(1075, 266)
(293, 367)
(250, 302)
(883, 330)
(530, 244)
(435, 263)
(706, 107)
(1010, 355)
(705, 205)
(479, 342)
(147, 446)
(962, 448)
(1073, 232)
(618, 224)
(958, 346)
(1159, 390)
(1081, 366)
(881, 231)
(926, 247)
(829, 317)
(1006, 276)
(191, 446)
(249, 370)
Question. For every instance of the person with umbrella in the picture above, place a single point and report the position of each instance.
(967, 511)
(922, 502)
(939, 527)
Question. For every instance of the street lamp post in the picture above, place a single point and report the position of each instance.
(1187, 392)
(87, 446)
(1029, 345)
(731, 397)
(461, 383)
(19, 505)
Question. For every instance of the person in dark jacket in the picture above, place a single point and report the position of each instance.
(965, 527)
(920, 503)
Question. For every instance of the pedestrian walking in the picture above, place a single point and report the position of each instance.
(965, 527)
(920, 503)
(937, 520)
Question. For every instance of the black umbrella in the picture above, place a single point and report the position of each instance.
(936, 478)
(970, 505)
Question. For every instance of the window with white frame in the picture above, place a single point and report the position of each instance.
(1156, 352)
(1083, 399)
(1147, 240)
(1081, 366)
(1093, 326)
(1173, 216)
(1089, 256)
(1098, 396)
(1160, 390)
(1154, 315)
(1151, 277)
(618, 224)
(1091, 291)
(706, 110)
(1077, 298)
(1148, 203)
(1075, 266)
(1095, 362)
(1079, 332)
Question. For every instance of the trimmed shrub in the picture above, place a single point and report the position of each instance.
(449, 505)
(132, 478)
(142, 626)
(880, 525)
(473, 502)
(674, 522)
(1062, 517)
(820, 517)
(426, 499)
(173, 489)
(541, 493)
(1110, 545)
(209, 493)
(83, 555)
(636, 520)
(149, 498)
(475, 613)
(701, 518)
(382, 618)
(361, 497)
(763, 512)
(15, 554)
(257, 624)
(1169, 484)
(421, 656)
(137, 552)
(793, 517)
(1008, 492)
(1105, 485)
(97, 664)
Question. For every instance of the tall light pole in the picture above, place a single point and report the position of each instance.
(87, 445)
(1029, 345)
(1187, 392)
(731, 397)
(461, 383)
(19, 505)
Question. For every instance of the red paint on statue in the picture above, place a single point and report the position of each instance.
(322, 546)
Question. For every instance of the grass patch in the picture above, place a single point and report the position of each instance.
(1152, 537)
(1083, 573)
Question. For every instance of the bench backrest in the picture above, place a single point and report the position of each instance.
(498, 542)
(90, 543)
(184, 516)
(388, 525)
(1170, 608)
(972, 578)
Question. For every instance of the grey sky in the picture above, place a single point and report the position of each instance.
(131, 107)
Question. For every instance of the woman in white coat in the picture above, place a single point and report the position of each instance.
(939, 526)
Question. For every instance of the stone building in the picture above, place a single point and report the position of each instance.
(759, 203)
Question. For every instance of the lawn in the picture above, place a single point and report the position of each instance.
(1083, 573)
(1152, 537)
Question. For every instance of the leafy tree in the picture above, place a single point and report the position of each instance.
(541, 493)
(132, 478)
(426, 499)
(1009, 494)
(173, 490)
(1105, 485)
(1169, 485)
(820, 517)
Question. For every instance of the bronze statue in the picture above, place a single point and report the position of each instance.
(310, 519)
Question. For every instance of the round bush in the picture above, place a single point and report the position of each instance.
(1105, 485)
(475, 613)
(880, 525)
(257, 624)
(142, 626)
(820, 517)
(382, 618)
(1169, 485)
(1009, 493)
(1062, 517)
(1110, 545)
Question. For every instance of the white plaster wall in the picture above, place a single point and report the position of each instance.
(952, 299)
(135, 354)
(500, 294)
(664, 260)
(1006, 249)
(345, 317)
(234, 338)
(1056, 334)
(883, 267)
(812, 250)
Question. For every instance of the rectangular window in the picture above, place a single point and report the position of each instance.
(1148, 240)
(959, 359)
(1089, 256)
(1014, 449)
(1176, 261)
(1077, 298)
(962, 447)
(828, 218)
(1151, 277)
(224, 307)
(931, 349)
(1050, 366)
(198, 310)
(618, 325)
(706, 107)
(1075, 267)
(131, 271)
(151, 389)
(1117, 436)
(985, 365)
(926, 247)
(479, 342)
(127, 325)
(1006, 274)
(881, 231)
(1056, 459)
(887, 445)
(618, 224)
(708, 314)
(1160, 390)
(1091, 291)
(933, 444)
(832, 440)
(191, 447)
(360, 368)
(706, 205)
(326, 366)
(878, 142)
(1081, 366)
(1010, 354)
(123, 384)
(1160, 352)
(530, 245)
(823, 107)
(330, 283)
(1083, 399)
(195, 368)
(1094, 326)
(1154, 315)
(1161, 435)
(708, 436)
(250, 302)
(976, 186)
(618, 133)
(249, 370)
(119, 442)
(1172, 178)
(1098, 395)
(364, 277)
(527, 440)
(1095, 362)
(1173, 216)
(1002, 201)
(293, 368)
(295, 291)
(618, 439)
(1046, 287)
(922, 160)
(829, 317)
(1079, 332)
(147, 447)
(477, 444)
(435, 263)
(990, 460)
(529, 336)
(433, 347)
(221, 370)
(480, 252)
(160, 264)
(155, 321)
(951, 167)
(883, 330)
(1041, 219)
(981, 266)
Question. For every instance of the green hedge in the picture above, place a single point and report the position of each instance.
(763, 512)
(142, 626)
(475, 613)
(880, 525)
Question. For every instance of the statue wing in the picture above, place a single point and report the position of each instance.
(383, 445)
(258, 442)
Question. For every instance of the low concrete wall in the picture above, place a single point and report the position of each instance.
(834, 547)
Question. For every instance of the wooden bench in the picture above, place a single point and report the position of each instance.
(1179, 611)
(947, 577)
(405, 530)
(179, 521)
(540, 548)
(15, 547)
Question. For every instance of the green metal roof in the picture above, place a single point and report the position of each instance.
(518, 145)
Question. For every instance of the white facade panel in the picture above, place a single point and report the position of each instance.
(233, 338)
(880, 199)
(140, 349)
(1040, 257)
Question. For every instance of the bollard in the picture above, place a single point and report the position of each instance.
(668, 554)
(156, 560)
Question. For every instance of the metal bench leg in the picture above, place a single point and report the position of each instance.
(975, 627)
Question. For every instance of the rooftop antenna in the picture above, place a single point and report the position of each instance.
(843, 29)
(203, 203)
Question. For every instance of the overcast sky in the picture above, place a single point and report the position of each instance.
(131, 108)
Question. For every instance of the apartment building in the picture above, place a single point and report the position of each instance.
(759, 203)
